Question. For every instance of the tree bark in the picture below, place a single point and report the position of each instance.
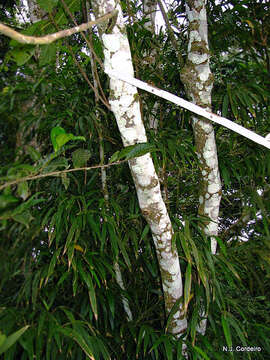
(124, 102)
(198, 80)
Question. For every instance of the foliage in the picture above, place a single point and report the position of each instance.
(60, 237)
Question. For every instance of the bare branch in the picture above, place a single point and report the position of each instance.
(48, 39)
(57, 173)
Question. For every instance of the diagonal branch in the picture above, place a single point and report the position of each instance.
(48, 39)
(264, 141)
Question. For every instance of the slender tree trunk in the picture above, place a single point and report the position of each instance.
(118, 274)
(149, 10)
(148, 60)
(198, 80)
(125, 106)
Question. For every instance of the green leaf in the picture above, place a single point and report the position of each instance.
(74, 335)
(86, 277)
(80, 157)
(65, 180)
(225, 105)
(23, 190)
(24, 218)
(56, 131)
(71, 234)
(136, 150)
(41, 322)
(59, 137)
(185, 247)
(47, 5)
(160, 340)
(168, 349)
(114, 157)
(2, 339)
(35, 285)
(62, 139)
(201, 352)
(187, 289)
(34, 154)
(52, 264)
(142, 333)
(22, 55)
(226, 329)
(47, 54)
(11, 339)
(238, 329)
(230, 266)
(145, 232)
(6, 200)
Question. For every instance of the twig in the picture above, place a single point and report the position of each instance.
(171, 33)
(104, 101)
(85, 38)
(57, 173)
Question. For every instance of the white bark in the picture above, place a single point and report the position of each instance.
(198, 81)
(125, 106)
(251, 135)
(148, 58)
(118, 274)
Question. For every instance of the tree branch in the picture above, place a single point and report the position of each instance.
(171, 33)
(48, 39)
(192, 107)
(57, 173)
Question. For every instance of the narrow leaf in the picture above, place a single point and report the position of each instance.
(187, 286)
(11, 339)
(226, 329)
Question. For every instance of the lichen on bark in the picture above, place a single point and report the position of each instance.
(198, 81)
(127, 113)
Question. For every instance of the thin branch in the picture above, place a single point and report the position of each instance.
(91, 48)
(171, 33)
(48, 39)
(57, 173)
(104, 101)
(85, 38)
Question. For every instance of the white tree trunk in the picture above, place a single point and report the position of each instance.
(198, 81)
(118, 274)
(125, 106)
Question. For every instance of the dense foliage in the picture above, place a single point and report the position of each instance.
(60, 236)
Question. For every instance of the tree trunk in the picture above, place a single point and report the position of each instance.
(125, 106)
(198, 80)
